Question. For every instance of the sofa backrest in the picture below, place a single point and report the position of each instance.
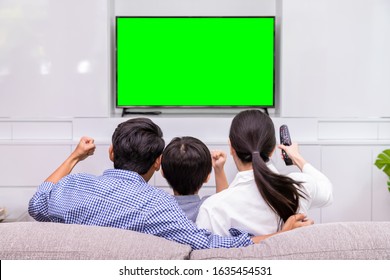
(53, 241)
(346, 240)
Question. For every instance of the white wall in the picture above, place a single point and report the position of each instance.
(335, 58)
(54, 58)
(194, 7)
(35, 138)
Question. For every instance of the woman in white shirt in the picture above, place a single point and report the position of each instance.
(260, 200)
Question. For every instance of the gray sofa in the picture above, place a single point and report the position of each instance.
(347, 240)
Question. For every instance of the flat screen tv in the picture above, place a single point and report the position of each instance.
(195, 62)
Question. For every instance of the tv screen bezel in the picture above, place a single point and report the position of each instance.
(194, 106)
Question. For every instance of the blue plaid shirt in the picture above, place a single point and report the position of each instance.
(123, 199)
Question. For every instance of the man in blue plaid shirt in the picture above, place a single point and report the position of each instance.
(121, 197)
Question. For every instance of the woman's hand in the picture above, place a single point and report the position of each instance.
(293, 152)
(296, 221)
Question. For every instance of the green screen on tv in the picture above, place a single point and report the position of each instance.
(195, 61)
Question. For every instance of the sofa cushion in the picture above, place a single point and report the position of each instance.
(352, 240)
(33, 240)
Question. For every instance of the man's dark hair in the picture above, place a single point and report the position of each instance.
(186, 163)
(137, 143)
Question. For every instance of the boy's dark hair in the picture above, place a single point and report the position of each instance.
(137, 143)
(186, 163)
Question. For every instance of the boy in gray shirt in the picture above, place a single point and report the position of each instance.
(186, 165)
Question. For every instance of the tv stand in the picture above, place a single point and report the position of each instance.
(126, 111)
(135, 111)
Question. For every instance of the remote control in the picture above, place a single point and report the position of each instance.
(285, 140)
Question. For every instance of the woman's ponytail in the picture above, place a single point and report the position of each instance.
(252, 136)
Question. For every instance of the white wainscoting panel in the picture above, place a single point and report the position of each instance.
(29, 165)
(384, 130)
(347, 130)
(42, 130)
(5, 130)
(349, 169)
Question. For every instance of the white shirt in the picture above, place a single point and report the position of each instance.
(242, 207)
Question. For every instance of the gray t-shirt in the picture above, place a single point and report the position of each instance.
(190, 204)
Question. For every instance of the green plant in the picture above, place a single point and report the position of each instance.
(383, 163)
